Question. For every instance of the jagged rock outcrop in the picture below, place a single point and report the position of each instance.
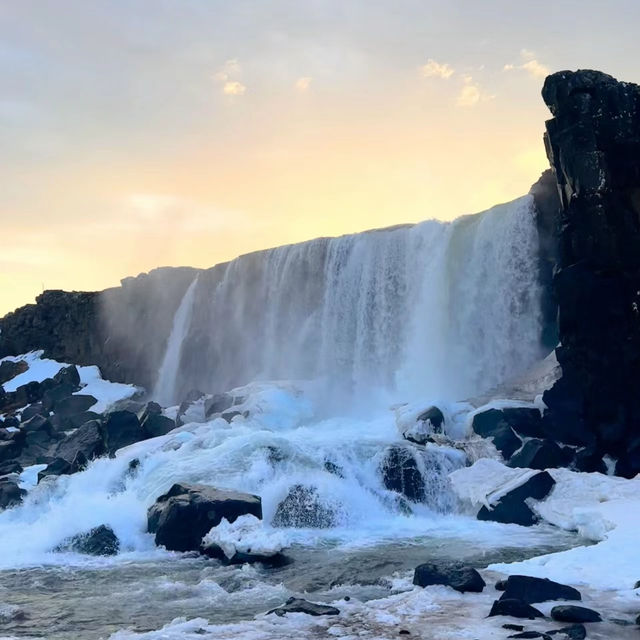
(123, 330)
(593, 144)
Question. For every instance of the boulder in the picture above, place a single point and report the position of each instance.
(298, 605)
(99, 541)
(27, 394)
(62, 467)
(121, 429)
(10, 493)
(574, 632)
(217, 404)
(514, 608)
(35, 409)
(400, 473)
(573, 613)
(52, 397)
(302, 508)
(87, 440)
(182, 516)
(457, 577)
(539, 454)
(492, 424)
(68, 376)
(532, 590)
(73, 405)
(434, 416)
(11, 466)
(589, 460)
(10, 449)
(155, 424)
(37, 423)
(10, 369)
(512, 508)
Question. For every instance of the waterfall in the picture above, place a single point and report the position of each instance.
(434, 309)
(164, 391)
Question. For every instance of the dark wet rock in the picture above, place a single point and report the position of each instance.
(400, 473)
(492, 424)
(512, 508)
(217, 404)
(87, 440)
(121, 429)
(73, 405)
(68, 376)
(35, 409)
(150, 409)
(589, 460)
(182, 516)
(154, 425)
(99, 541)
(532, 590)
(434, 416)
(298, 605)
(572, 613)
(525, 421)
(513, 627)
(574, 632)
(230, 415)
(62, 467)
(77, 420)
(10, 449)
(593, 145)
(457, 577)
(530, 634)
(539, 454)
(273, 560)
(37, 423)
(514, 608)
(12, 466)
(10, 369)
(333, 468)
(10, 493)
(628, 464)
(303, 508)
(27, 394)
(54, 396)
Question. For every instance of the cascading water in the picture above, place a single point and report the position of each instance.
(444, 310)
(434, 311)
(165, 386)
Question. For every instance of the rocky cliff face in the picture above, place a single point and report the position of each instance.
(593, 144)
(122, 330)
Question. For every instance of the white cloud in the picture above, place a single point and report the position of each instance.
(227, 76)
(531, 65)
(471, 94)
(435, 69)
(536, 69)
(233, 88)
(303, 83)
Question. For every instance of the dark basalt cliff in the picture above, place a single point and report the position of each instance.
(122, 330)
(593, 144)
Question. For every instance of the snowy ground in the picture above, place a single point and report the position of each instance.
(106, 393)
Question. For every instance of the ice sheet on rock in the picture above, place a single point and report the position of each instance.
(603, 508)
(487, 480)
(106, 393)
(246, 535)
(39, 369)
(455, 422)
(29, 476)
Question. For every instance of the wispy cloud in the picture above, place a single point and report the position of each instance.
(303, 83)
(433, 69)
(530, 64)
(471, 93)
(227, 78)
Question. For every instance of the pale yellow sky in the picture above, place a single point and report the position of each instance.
(139, 135)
